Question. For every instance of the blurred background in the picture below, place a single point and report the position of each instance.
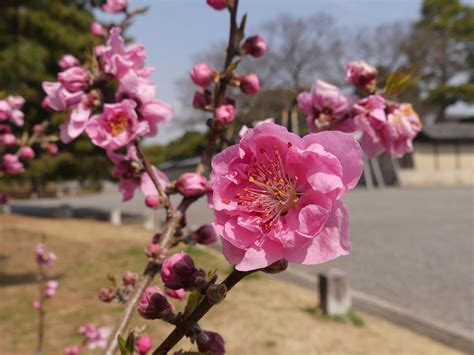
(412, 218)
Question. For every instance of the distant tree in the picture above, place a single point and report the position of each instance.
(34, 34)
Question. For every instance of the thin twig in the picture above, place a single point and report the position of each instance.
(41, 313)
(185, 325)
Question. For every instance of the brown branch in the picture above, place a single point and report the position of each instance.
(163, 196)
(185, 325)
(41, 313)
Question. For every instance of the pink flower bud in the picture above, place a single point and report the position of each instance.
(202, 74)
(114, 6)
(45, 103)
(154, 251)
(255, 46)
(52, 149)
(51, 287)
(217, 4)
(225, 113)
(72, 350)
(206, 234)
(97, 29)
(27, 153)
(143, 344)
(37, 128)
(7, 139)
(202, 99)
(210, 342)
(152, 201)
(68, 61)
(178, 294)
(191, 184)
(129, 278)
(249, 84)
(178, 271)
(106, 294)
(74, 79)
(37, 305)
(361, 75)
(153, 304)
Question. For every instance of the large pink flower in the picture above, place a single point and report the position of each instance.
(323, 104)
(276, 195)
(131, 174)
(117, 126)
(59, 98)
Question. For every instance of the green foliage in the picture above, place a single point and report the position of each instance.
(399, 81)
(126, 347)
(447, 95)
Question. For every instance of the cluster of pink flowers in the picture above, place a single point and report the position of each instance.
(44, 256)
(94, 338)
(384, 125)
(10, 110)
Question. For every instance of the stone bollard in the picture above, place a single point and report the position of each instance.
(149, 219)
(5, 209)
(334, 293)
(116, 217)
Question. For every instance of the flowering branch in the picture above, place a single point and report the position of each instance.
(186, 324)
(41, 313)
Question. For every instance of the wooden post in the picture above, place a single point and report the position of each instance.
(294, 121)
(378, 173)
(116, 217)
(284, 118)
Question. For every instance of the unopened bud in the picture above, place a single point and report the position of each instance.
(154, 251)
(106, 294)
(152, 201)
(206, 234)
(276, 267)
(216, 293)
(210, 343)
(129, 278)
(255, 46)
(154, 305)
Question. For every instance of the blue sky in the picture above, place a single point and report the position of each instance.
(173, 30)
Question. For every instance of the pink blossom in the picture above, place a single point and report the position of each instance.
(403, 125)
(116, 126)
(36, 305)
(276, 195)
(68, 61)
(225, 113)
(72, 350)
(191, 184)
(51, 287)
(17, 117)
(154, 251)
(178, 294)
(97, 29)
(113, 6)
(143, 344)
(44, 256)
(76, 123)
(143, 91)
(249, 84)
(217, 4)
(16, 102)
(131, 174)
(153, 304)
(52, 149)
(371, 119)
(106, 294)
(7, 139)
(59, 98)
(27, 153)
(96, 337)
(74, 79)
(202, 74)
(5, 110)
(118, 60)
(323, 104)
(255, 46)
(244, 128)
(12, 165)
(362, 75)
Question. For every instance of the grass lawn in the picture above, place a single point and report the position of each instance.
(260, 316)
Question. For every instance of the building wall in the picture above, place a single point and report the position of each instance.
(440, 164)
